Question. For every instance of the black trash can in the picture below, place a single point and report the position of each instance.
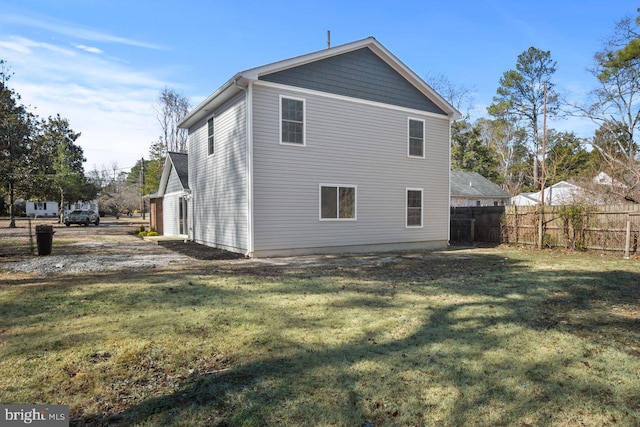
(44, 238)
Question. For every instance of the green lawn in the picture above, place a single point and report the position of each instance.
(474, 337)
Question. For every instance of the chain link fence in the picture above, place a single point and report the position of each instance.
(20, 240)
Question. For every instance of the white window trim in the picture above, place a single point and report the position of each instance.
(355, 213)
(406, 207)
(424, 144)
(213, 121)
(304, 121)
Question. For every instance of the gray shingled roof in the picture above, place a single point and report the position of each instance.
(472, 184)
(181, 165)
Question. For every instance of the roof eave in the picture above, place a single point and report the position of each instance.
(217, 98)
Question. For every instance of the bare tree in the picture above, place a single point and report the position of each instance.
(459, 96)
(172, 107)
(614, 106)
(508, 142)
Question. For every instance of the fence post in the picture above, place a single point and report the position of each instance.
(541, 228)
(31, 246)
(628, 240)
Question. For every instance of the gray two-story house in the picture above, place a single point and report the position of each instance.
(340, 150)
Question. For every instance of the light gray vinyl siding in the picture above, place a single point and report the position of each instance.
(348, 143)
(219, 182)
(173, 183)
(359, 74)
(171, 214)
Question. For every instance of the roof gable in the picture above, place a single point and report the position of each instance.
(359, 74)
(395, 68)
(178, 164)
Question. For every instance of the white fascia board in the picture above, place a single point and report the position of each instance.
(164, 179)
(213, 101)
(418, 82)
(255, 73)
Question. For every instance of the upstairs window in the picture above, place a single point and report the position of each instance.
(210, 137)
(414, 207)
(416, 138)
(337, 202)
(292, 114)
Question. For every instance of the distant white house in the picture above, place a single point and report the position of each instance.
(561, 193)
(41, 209)
(50, 209)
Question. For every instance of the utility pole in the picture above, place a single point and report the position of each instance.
(542, 172)
(142, 208)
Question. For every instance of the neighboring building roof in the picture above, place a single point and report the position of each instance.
(560, 193)
(604, 179)
(474, 185)
(240, 81)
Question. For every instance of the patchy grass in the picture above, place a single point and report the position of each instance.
(474, 337)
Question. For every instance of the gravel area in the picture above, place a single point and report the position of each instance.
(63, 264)
(108, 247)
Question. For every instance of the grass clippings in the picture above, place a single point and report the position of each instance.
(474, 337)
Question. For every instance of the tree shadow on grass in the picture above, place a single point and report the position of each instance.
(458, 366)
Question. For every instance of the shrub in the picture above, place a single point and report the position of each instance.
(152, 233)
(574, 224)
(152, 229)
(142, 233)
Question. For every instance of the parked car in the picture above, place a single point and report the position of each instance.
(85, 217)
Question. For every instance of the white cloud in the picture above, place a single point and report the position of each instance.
(105, 99)
(72, 30)
(89, 49)
(24, 46)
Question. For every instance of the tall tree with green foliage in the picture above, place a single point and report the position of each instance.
(624, 46)
(521, 96)
(566, 156)
(469, 153)
(62, 160)
(16, 129)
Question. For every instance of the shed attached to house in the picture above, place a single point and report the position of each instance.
(341, 150)
(168, 208)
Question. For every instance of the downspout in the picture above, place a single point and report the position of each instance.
(449, 201)
(249, 135)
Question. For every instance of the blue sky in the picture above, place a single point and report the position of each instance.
(102, 63)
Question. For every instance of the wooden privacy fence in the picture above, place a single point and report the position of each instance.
(480, 224)
(609, 228)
